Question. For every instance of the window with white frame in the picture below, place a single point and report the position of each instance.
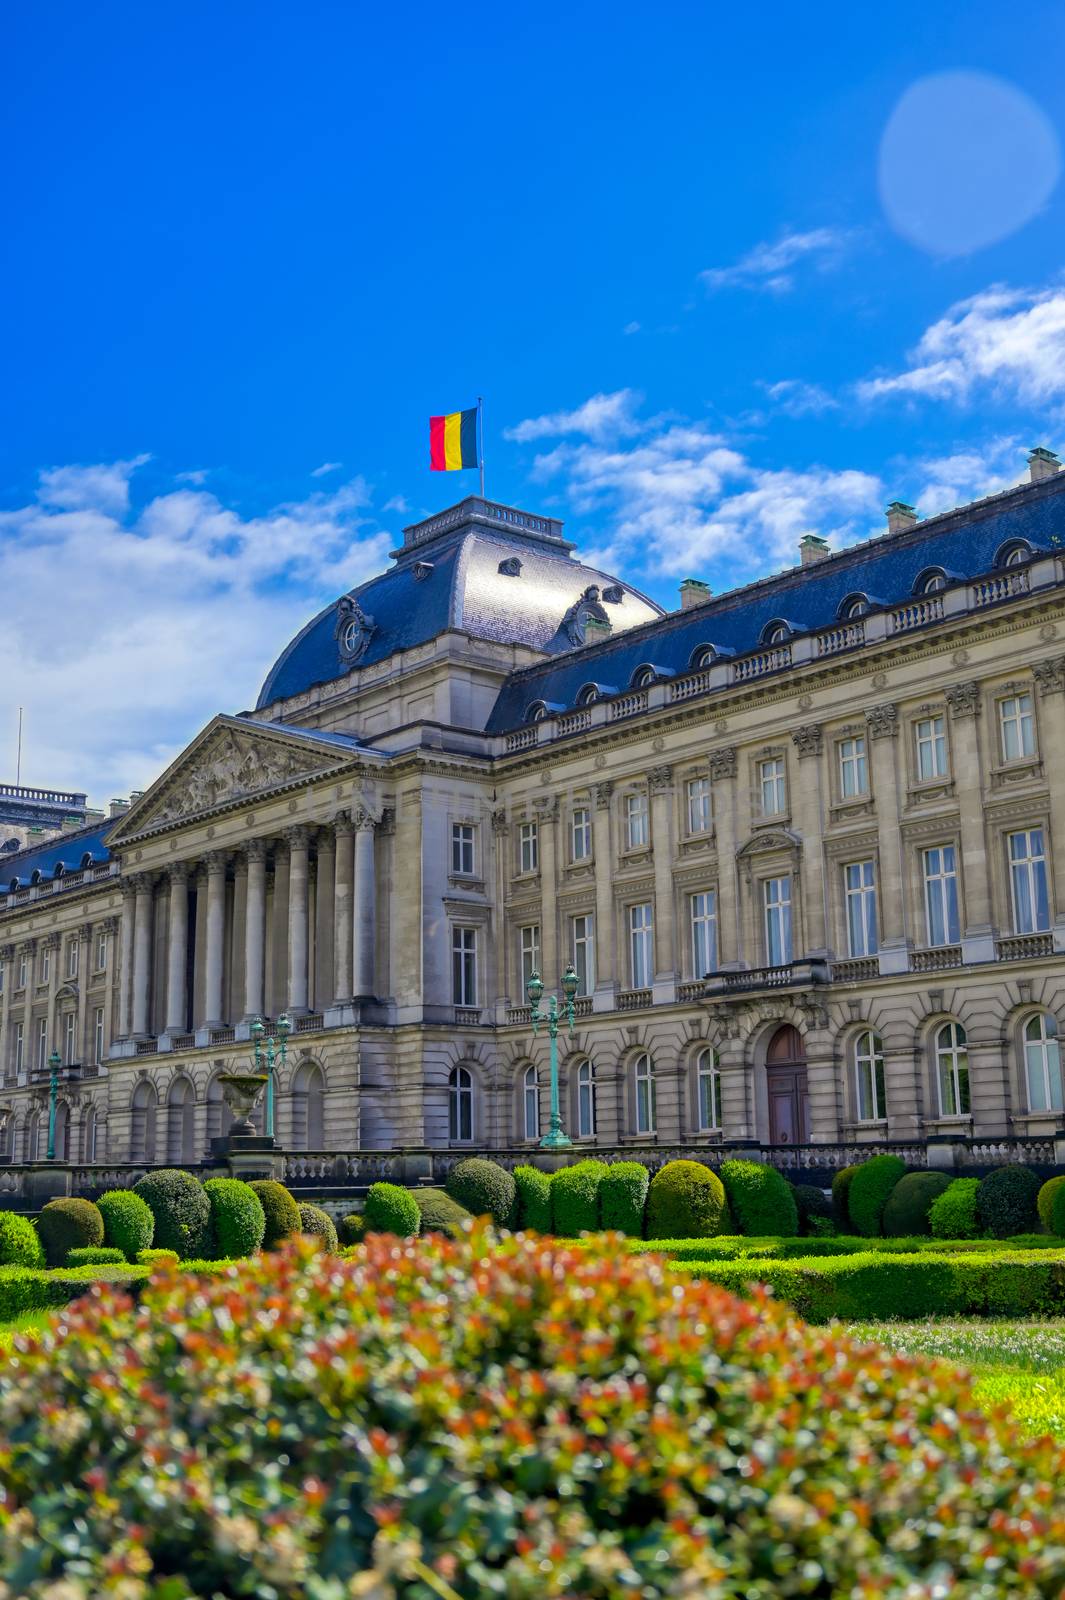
(529, 847)
(941, 894)
(773, 786)
(23, 969)
(931, 742)
(1042, 1064)
(1017, 727)
(870, 1100)
(708, 1089)
(637, 821)
(700, 812)
(529, 938)
(704, 932)
(98, 1035)
(859, 890)
(641, 945)
(88, 1135)
(3, 975)
(776, 904)
(1028, 881)
(952, 1070)
(460, 1105)
(584, 953)
(464, 966)
(586, 1106)
(20, 1047)
(853, 767)
(580, 833)
(42, 1043)
(72, 958)
(530, 1103)
(101, 951)
(70, 1030)
(46, 965)
(646, 1094)
(462, 849)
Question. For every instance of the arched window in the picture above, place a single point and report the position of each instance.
(33, 1136)
(870, 1100)
(702, 657)
(530, 1103)
(142, 1129)
(708, 1085)
(180, 1122)
(460, 1105)
(588, 695)
(855, 605)
(952, 1070)
(643, 677)
(931, 581)
(88, 1134)
(586, 1106)
(1042, 1064)
(646, 1094)
(308, 1107)
(536, 712)
(1014, 554)
(7, 1139)
(62, 1131)
(775, 633)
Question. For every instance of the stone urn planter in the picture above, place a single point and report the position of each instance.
(241, 1090)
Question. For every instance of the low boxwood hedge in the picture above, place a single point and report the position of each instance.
(20, 1243)
(575, 1199)
(128, 1222)
(623, 1197)
(760, 1200)
(534, 1199)
(96, 1255)
(736, 1247)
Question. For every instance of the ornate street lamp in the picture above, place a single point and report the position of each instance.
(554, 1138)
(53, 1099)
(264, 1061)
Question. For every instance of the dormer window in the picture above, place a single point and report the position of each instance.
(613, 594)
(931, 581)
(510, 567)
(643, 677)
(1014, 554)
(776, 632)
(855, 605)
(703, 656)
(422, 570)
(536, 712)
(588, 695)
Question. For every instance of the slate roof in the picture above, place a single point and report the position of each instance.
(964, 543)
(70, 849)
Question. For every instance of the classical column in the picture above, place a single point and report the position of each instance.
(730, 949)
(978, 934)
(546, 817)
(109, 928)
(255, 929)
(142, 953)
(7, 961)
(124, 957)
(177, 952)
(883, 724)
(811, 820)
(53, 945)
(605, 992)
(29, 949)
(365, 907)
(84, 936)
(298, 839)
(660, 781)
(504, 956)
(1050, 676)
(215, 862)
(342, 967)
(326, 851)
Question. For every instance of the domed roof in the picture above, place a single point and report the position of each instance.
(485, 569)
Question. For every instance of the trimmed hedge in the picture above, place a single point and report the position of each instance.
(280, 1210)
(575, 1198)
(96, 1255)
(907, 1206)
(157, 1258)
(841, 1186)
(439, 1213)
(128, 1222)
(1007, 1201)
(813, 1205)
(485, 1188)
(1057, 1211)
(1045, 1201)
(319, 1225)
(20, 1243)
(738, 1248)
(390, 1209)
(623, 1197)
(181, 1210)
(685, 1200)
(534, 1199)
(68, 1224)
(760, 1200)
(238, 1221)
(869, 1190)
(352, 1228)
(952, 1215)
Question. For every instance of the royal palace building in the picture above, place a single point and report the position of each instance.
(803, 844)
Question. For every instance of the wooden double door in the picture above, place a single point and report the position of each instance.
(789, 1097)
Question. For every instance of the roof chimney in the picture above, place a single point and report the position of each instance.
(693, 592)
(118, 808)
(812, 548)
(595, 630)
(1042, 463)
(900, 516)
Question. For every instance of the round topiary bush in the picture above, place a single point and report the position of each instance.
(485, 1189)
(952, 1215)
(859, 1487)
(534, 1199)
(390, 1209)
(181, 1210)
(439, 1213)
(128, 1222)
(20, 1243)
(280, 1210)
(623, 1197)
(811, 1203)
(685, 1200)
(575, 1198)
(69, 1224)
(320, 1225)
(760, 1200)
(95, 1255)
(238, 1221)
(352, 1228)
(1007, 1201)
(906, 1210)
(1044, 1202)
(1057, 1212)
(869, 1190)
(841, 1187)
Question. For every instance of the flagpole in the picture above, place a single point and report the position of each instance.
(480, 439)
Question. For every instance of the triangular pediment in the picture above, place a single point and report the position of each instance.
(229, 761)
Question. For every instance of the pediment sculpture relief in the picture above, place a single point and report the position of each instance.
(229, 768)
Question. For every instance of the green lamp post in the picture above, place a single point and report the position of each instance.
(264, 1061)
(53, 1100)
(555, 1138)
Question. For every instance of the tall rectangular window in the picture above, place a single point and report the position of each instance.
(584, 953)
(853, 768)
(931, 738)
(20, 1047)
(641, 945)
(42, 1043)
(637, 821)
(1028, 881)
(580, 833)
(72, 958)
(941, 894)
(98, 1035)
(70, 1032)
(870, 1096)
(530, 952)
(101, 951)
(23, 969)
(529, 847)
(771, 780)
(3, 975)
(859, 883)
(700, 814)
(462, 848)
(46, 965)
(1017, 727)
(776, 901)
(464, 966)
(704, 932)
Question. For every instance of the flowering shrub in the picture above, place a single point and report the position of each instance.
(128, 1221)
(20, 1244)
(67, 1224)
(515, 1418)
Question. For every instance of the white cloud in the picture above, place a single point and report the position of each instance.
(197, 475)
(327, 467)
(794, 398)
(1009, 341)
(604, 416)
(768, 266)
(966, 474)
(104, 487)
(398, 503)
(631, 327)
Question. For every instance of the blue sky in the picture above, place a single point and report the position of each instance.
(723, 276)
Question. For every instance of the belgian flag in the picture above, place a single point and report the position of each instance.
(453, 441)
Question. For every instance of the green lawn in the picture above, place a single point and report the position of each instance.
(24, 1324)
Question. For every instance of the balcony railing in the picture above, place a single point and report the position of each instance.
(937, 960)
(858, 970)
(634, 999)
(917, 613)
(1024, 946)
(761, 662)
